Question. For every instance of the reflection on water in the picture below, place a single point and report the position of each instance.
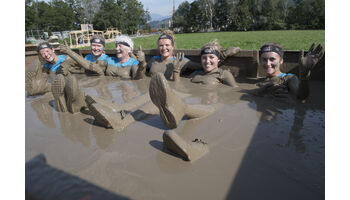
(284, 138)
(72, 129)
(294, 135)
(104, 138)
(271, 107)
(43, 111)
(288, 140)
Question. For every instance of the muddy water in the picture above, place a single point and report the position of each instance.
(260, 148)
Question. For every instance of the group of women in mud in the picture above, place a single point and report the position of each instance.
(161, 99)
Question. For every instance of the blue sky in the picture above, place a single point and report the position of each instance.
(161, 7)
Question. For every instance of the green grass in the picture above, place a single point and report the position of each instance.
(290, 39)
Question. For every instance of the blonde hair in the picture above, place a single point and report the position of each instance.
(169, 33)
(214, 44)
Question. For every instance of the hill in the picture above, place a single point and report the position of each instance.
(160, 24)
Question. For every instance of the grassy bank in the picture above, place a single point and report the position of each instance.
(290, 40)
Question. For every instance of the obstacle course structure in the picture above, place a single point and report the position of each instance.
(81, 38)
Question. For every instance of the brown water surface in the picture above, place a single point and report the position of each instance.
(260, 147)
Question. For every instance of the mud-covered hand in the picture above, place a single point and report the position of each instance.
(270, 82)
(179, 62)
(280, 91)
(101, 63)
(140, 55)
(308, 62)
(268, 86)
(64, 49)
(64, 69)
(231, 51)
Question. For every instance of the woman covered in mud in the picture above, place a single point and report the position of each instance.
(163, 96)
(210, 74)
(123, 65)
(164, 63)
(94, 63)
(281, 84)
(172, 108)
(37, 74)
(172, 65)
(277, 83)
(98, 63)
(49, 64)
(63, 86)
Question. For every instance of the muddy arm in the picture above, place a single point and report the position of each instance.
(73, 66)
(117, 71)
(179, 63)
(300, 87)
(141, 70)
(230, 51)
(228, 79)
(97, 67)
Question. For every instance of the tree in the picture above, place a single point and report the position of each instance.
(90, 8)
(317, 14)
(207, 8)
(31, 17)
(181, 17)
(298, 15)
(269, 15)
(223, 16)
(108, 15)
(126, 15)
(196, 17)
(241, 16)
(136, 15)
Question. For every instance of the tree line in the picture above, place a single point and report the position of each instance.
(247, 15)
(200, 15)
(62, 15)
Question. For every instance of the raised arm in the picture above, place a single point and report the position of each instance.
(178, 63)
(230, 51)
(141, 70)
(97, 67)
(300, 87)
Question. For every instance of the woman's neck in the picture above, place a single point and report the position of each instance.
(54, 61)
(96, 57)
(124, 59)
(165, 58)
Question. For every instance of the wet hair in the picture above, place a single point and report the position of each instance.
(167, 34)
(43, 45)
(212, 47)
(98, 39)
(125, 40)
(272, 47)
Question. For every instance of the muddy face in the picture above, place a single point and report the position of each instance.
(209, 62)
(122, 51)
(48, 55)
(97, 49)
(166, 48)
(271, 62)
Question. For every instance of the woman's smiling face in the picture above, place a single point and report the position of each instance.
(209, 62)
(271, 63)
(166, 48)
